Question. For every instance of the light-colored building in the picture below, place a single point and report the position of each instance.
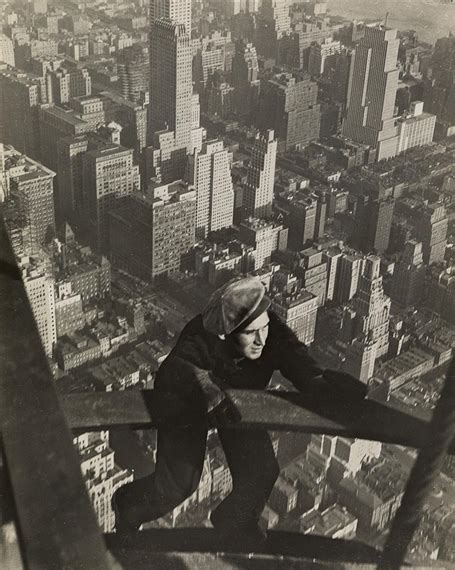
(6, 50)
(416, 128)
(101, 475)
(265, 238)
(372, 306)
(372, 90)
(210, 173)
(347, 281)
(177, 11)
(40, 292)
(335, 522)
(321, 54)
(171, 85)
(431, 229)
(258, 190)
(299, 312)
(154, 230)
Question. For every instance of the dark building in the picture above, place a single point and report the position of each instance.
(289, 106)
(373, 223)
(133, 67)
(409, 276)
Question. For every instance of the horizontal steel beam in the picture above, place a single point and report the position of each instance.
(286, 411)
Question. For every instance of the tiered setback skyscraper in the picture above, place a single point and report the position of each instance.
(210, 173)
(258, 191)
(171, 85)
(368, 324)
(372, 90)
(178, 11)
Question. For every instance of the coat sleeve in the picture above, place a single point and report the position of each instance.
(294, 362)
(291, 356)
(191, 391)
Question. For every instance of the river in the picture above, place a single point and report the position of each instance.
(430, 18)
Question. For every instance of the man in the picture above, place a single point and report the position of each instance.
(237, 342)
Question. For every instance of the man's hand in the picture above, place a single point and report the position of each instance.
(346, 384)
(221, 410)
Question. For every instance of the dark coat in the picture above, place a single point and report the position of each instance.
(201, 364)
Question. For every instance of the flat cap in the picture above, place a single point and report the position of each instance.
(235, 305)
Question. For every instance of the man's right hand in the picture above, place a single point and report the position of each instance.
(221, 410)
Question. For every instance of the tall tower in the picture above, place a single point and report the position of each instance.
(409, 275)
(274, 22)
(210, 173)
(178, 11)
(31, 190)
(258, 192)
(109, 176)
(373, 223)
(133, 69)
(372, 307)
(171, 85)
(371, 93)
(40, 292)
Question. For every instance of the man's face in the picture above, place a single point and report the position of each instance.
(250, 342)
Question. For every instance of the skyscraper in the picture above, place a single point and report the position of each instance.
(265, 237)
(40, 292)
(372, 307)
(431, 230)
(299, 312)
(290, 107)
(367, 324)
(409, 275)
(273, 23)
(332, 258)
(171, 85)
(372, 90)
(133, 67)
(301, 220)
(6, 50)
(258, 191)
(313, 270)
(31, 190)
(210, 173)
(178, 11)
(21, 94)
(109, 176)
(154, 230)
(350, 267)
(373, 222)
(245, 69)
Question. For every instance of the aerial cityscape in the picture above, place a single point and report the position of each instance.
(152, 150)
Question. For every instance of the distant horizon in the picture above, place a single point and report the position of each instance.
(429, 18)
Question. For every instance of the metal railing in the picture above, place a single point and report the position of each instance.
(56, 525)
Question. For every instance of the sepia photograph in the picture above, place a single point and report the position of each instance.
(227, 284)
